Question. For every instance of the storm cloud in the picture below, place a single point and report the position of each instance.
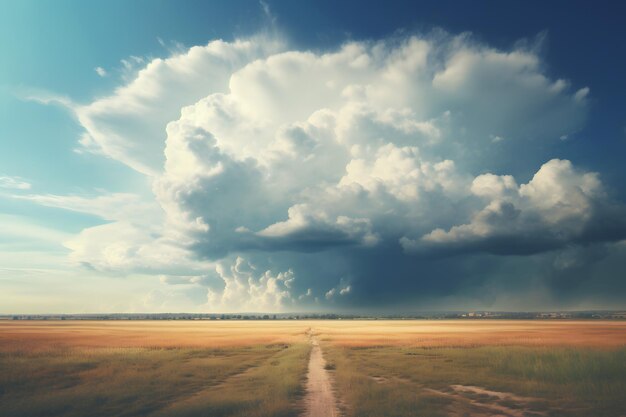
(405, 173)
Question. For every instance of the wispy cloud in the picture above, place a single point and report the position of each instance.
(101, 71)
(14, 183)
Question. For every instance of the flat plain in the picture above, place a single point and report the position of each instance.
(358, 368)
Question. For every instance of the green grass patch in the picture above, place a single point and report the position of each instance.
(271, 389)
(565, 381)
(145, 381)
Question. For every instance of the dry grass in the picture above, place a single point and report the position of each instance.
(555, 381)
(142, 381)
(257, 369)
(469, 333)
(151, 368)
(273, 388)
(21, 335)
(33, 335)
(412, 368)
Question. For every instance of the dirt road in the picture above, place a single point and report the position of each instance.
(320, 398)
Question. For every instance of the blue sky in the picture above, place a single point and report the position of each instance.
(470, 157)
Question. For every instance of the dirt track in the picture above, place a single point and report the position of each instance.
(320, 399)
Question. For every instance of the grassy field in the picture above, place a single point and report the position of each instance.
(151, 369)
(479, 368)
(525, 381)
(254, 368)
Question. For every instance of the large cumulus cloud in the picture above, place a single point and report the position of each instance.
(290, 178)
(558, 207)
(129, 125)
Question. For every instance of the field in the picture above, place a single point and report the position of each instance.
(313, 368)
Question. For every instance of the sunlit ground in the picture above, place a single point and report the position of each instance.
(258, 368)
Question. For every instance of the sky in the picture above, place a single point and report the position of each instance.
(276, 156)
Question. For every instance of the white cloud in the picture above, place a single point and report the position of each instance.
(304, 224)
(341, 291)
(134, 239)
(308, 293)
(247, 289)
(581, 94)
(108, 206)
(18, 232)
(252, 147)
(494, 186)
(101, 71)
(129, 124)
(14, 183)
(314, 152)
(555, 207)
(125, 247)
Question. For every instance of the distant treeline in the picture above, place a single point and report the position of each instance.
(471, 315)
